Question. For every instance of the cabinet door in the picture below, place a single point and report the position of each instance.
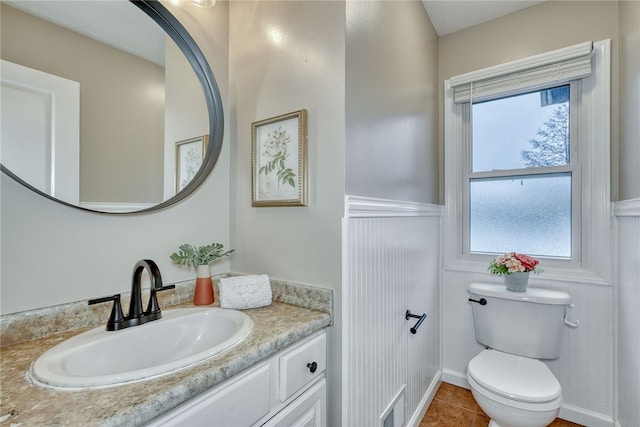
(241, 401)
(308, 410)
(301, 365)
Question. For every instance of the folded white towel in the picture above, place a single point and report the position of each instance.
(240, 292)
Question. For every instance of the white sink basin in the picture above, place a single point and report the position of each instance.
(183, 337)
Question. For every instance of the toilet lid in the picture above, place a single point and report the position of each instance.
(514, 377)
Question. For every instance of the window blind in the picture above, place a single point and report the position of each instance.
(555, 67)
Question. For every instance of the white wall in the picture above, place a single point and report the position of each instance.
(627, 255)
(392, 264)
(52, 254)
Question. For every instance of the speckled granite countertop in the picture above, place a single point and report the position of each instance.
(275, 327)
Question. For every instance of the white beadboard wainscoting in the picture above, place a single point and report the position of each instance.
(391, 263)
(627, 267)
(585, 366)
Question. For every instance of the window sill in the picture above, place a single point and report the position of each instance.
(551, 274)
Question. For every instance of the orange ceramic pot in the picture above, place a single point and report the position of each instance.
(203, 293)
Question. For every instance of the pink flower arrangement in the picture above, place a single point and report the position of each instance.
(514, 263)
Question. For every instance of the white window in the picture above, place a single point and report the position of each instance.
(522, 174)
(527, 162)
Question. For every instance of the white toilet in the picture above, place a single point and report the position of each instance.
(510, 384)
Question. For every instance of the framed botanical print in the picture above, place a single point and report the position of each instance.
(278, 157)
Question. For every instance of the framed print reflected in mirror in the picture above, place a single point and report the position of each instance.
(189, 156)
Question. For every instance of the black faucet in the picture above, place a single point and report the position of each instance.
(136, 315)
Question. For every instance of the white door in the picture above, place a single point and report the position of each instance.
(40, 125)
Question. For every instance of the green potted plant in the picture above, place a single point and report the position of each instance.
(515, 268)
(200, 257)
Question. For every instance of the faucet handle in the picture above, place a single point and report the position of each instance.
(116, 316)
(154, 307)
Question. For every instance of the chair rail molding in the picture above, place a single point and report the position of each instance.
(371, 207)
(629, 207)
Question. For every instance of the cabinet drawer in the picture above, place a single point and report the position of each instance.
(296, 366)
(240, 402)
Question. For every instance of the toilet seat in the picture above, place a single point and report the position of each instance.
(529, 408)
(514, 377)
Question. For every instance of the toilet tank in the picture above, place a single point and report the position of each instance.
(529, 323)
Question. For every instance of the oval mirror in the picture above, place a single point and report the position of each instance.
(106, 106)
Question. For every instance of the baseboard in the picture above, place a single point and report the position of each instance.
(425, 401)
(455, 378)
(585, 417)
(568, 412)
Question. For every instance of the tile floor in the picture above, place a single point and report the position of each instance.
(454, 406)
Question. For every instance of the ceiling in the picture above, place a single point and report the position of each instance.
(448, 16)
(137, 34)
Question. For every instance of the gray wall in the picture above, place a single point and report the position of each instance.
(304, 69)
(286, 56)
(566, 23)
(391, 102)
(629, 103)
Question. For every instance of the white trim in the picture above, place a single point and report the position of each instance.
(426, 400)
(345, 338)
(399, 398)
(370, 207)
(61, 177)
(454, 173)
(115, 207)
(535, 61)
(597, 221)
(585, 417)
(551, 274)
(627, 208)
(456, 378)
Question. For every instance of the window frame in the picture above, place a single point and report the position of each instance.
(590, 261)
(576, 133)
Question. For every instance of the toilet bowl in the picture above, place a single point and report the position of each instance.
(514, 391)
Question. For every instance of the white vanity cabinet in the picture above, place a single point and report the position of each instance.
(288, 389)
